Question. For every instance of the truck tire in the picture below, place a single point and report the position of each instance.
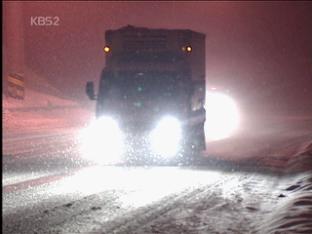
(194, 146)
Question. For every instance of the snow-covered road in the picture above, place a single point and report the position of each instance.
(257, 181)
(140, 200)
(48, 189)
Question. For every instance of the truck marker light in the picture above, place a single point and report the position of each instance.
(187, 49)
(106, 49)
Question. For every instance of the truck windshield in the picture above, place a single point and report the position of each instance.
(145, 57)
(152, 85)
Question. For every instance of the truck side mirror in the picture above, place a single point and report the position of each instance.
(90, 90)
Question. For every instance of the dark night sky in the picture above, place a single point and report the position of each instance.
(261, 51)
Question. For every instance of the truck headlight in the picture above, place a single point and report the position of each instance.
(102, 141)
(165, 138)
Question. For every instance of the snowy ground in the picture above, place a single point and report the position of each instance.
(206, 199)
(258, 181)
(277, 142)
(40, 113)
(294, 213)
(44, 109)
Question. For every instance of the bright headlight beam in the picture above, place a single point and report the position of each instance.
(222, 116)
(102, 141)
(165, 138)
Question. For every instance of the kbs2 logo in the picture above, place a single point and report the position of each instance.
(44, 21)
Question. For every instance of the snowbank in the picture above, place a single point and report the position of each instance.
(294, 213)
(276, 142)
(41, 111)
(34, 99)
(25, 122)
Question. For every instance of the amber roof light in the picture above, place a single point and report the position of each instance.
(187, 48)
(106, 49)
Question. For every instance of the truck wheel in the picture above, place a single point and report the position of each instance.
(199, 141)
(194, 145)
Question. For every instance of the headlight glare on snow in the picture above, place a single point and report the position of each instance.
(222, 116)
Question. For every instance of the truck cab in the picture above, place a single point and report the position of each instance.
(153, 86)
